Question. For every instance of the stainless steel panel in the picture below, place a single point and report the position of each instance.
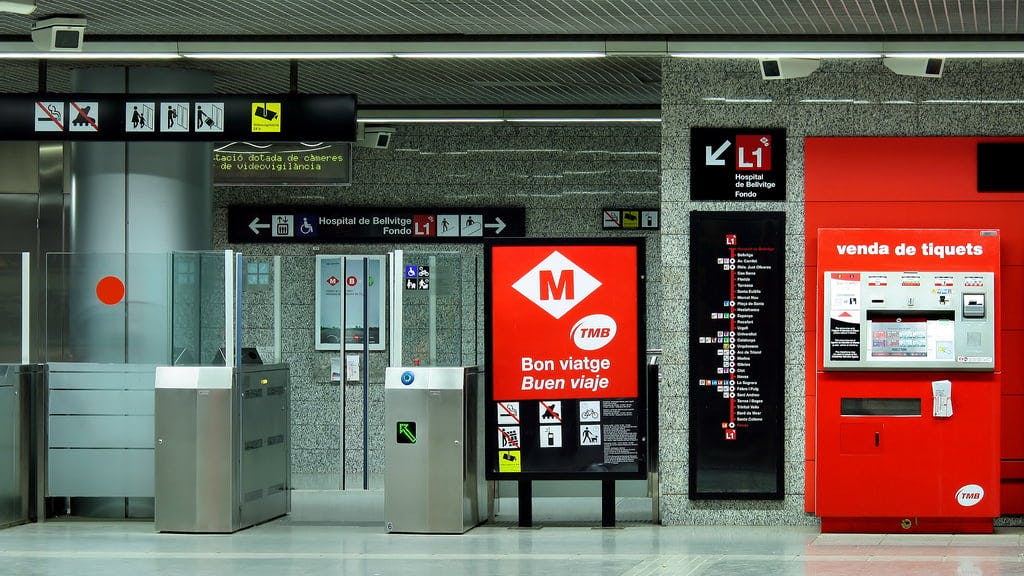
(10, 469)
(100, 376)
(406, 490)
(101, 432)
(432, 485)
(222, 447)
(54, 205)
(215, 452)
(263, 444)
(176, 479)
(17, 234)
(101, 402)
(100, 409)
(19, 164)
(115, 473)
(445, 477)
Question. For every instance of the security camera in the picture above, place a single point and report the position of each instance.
(375, 136)
(924, 67)
(783, 68)
(59, 34)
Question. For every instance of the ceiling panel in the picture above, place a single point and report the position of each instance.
(401, 82)
(488, 82)
(532, 17)
(409, 82)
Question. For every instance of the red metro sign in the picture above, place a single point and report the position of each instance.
(564, 321)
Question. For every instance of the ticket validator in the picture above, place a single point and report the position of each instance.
(907, 380)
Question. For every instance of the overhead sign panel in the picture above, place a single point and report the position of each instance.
(178, 117)
(743, 164)
(284, 163)
(565, 340)
(334, 225)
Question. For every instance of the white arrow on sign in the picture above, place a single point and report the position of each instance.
(715, 159)
(497, 227)
(255, 225)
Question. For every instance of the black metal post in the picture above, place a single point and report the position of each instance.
(607, 503)
(525, 504)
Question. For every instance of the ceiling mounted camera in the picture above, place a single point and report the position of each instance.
(60, 34)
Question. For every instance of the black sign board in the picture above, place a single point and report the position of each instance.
(284, 163)
(743, 164)
(999, 167)
(336, 225)
(178, 117)
(737, 355)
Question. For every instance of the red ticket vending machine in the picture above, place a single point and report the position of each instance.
(907, 380)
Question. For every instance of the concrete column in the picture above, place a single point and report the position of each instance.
(133, 204)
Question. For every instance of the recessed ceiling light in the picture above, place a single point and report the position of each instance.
(18, 6)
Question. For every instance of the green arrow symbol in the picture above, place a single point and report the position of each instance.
(403, 429)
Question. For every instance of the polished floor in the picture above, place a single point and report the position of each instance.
(284, 548)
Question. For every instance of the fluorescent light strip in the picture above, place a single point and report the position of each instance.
(739, 100)
(955, 55)
(286, 55)
(567, 120)
(457, 120)
(18, 6)
(973, 102)
(776, 55)
(90, 55)
(497, 55)
(452, 120)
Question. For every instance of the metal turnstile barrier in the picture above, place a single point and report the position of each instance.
(222, 447)
(433, 473)
(20, 427)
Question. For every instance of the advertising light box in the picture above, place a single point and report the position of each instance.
(565, 342)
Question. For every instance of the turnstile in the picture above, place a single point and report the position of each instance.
(432, 471)
(20, 425)
(222, 447)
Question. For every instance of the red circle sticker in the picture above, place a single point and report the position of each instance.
(351, 281)
(110, 290)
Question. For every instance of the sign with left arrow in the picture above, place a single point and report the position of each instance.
(336, 225)
(741, 164)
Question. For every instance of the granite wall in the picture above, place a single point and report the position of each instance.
(843, 98)
(562, 176)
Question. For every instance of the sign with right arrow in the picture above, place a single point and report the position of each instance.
(337, 225)
(741, 164)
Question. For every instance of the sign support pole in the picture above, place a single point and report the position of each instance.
(607, 503)
(525, 504)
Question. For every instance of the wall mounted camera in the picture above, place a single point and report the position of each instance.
(924, 67)
(374, 136)
(785, 68)
(60, 34)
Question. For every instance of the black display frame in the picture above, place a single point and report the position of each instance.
(240, 216)
(491, 417)
(303, 117)
(706, 230)
(718, 182)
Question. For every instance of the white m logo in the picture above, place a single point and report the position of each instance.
(557, 284)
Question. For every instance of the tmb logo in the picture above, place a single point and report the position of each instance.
(557, 284)
(970, 495)
(593, 332)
